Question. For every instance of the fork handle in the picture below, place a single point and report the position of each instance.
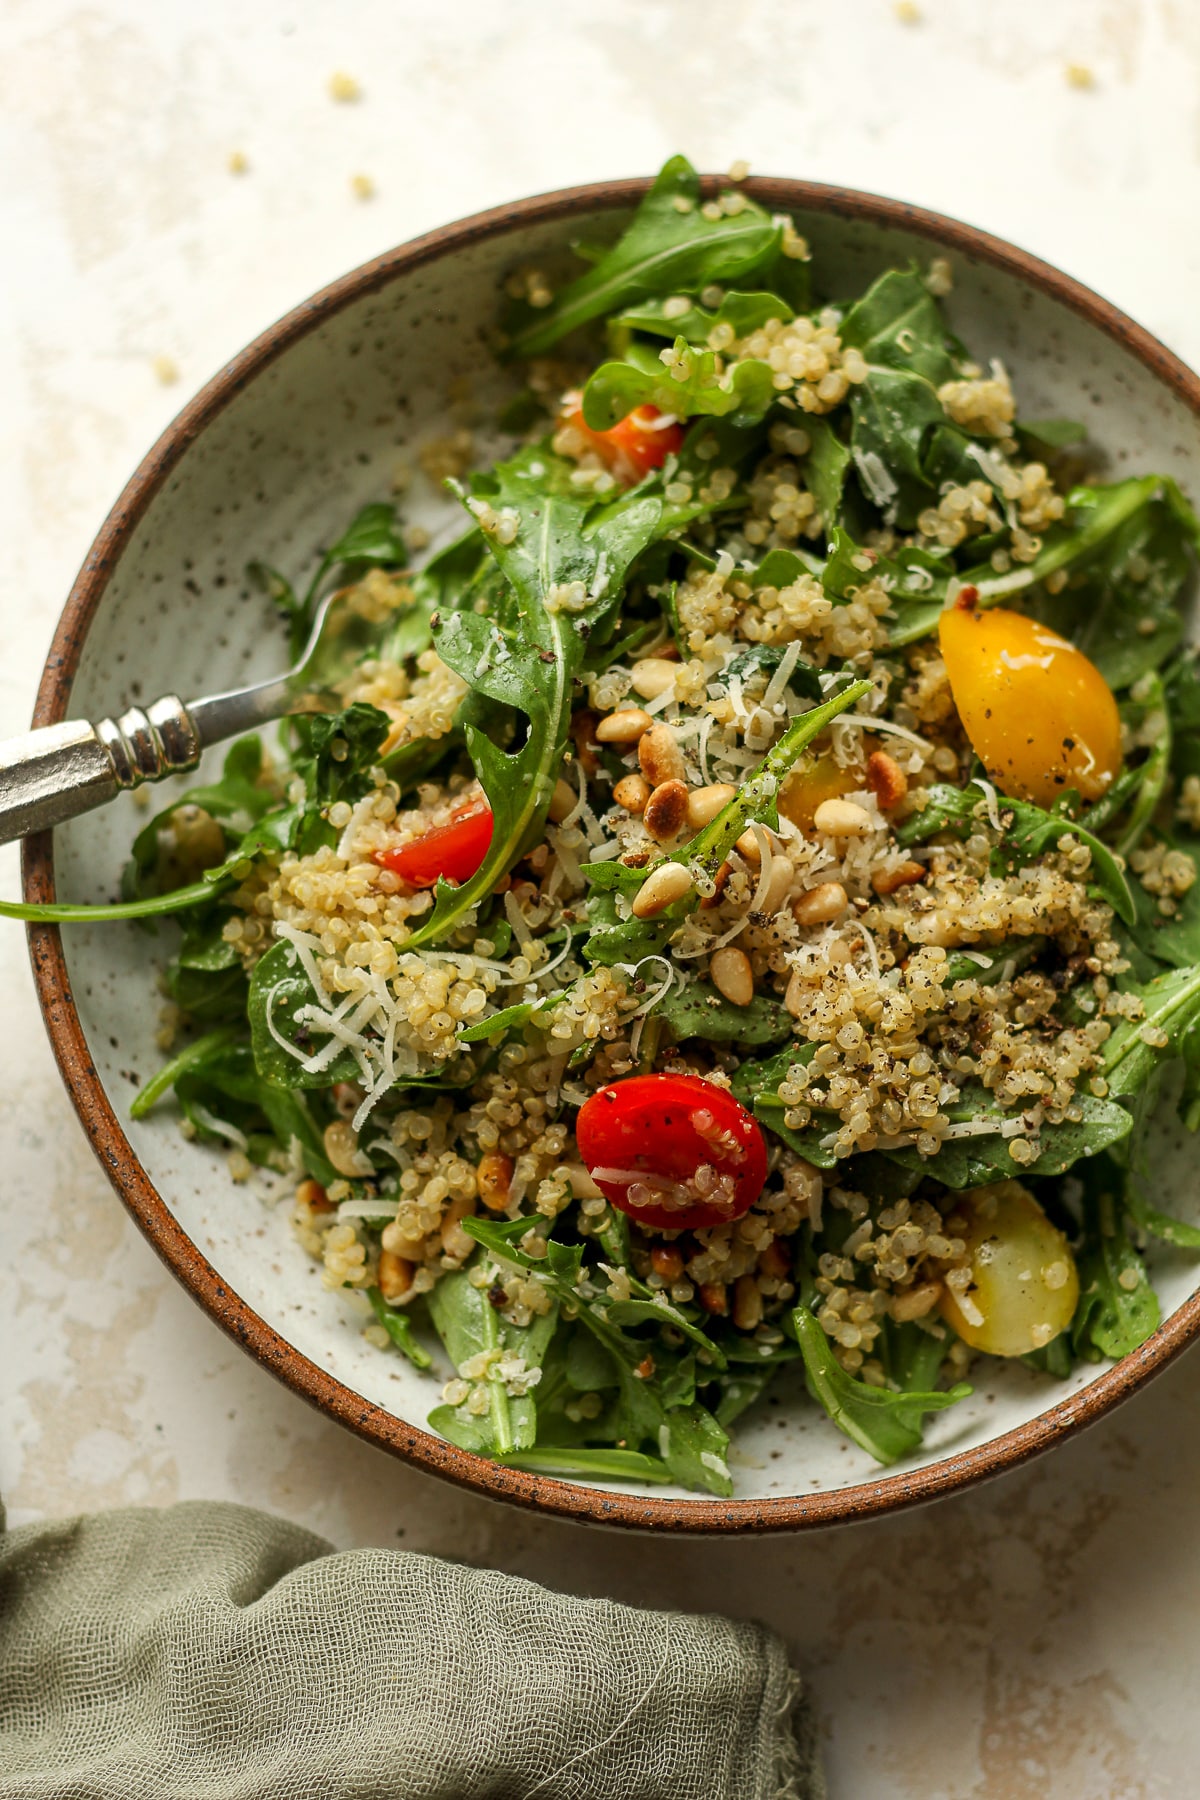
(60, 771)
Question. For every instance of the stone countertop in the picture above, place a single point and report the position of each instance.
(1036, 1636)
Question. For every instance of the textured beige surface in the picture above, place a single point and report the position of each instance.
(1035, 1637)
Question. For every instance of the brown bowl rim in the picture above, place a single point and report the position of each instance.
(888, 1493)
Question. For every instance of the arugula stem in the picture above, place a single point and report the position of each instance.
(169, 1074)
(622, 1465)
(497, 1392)
(62, 913)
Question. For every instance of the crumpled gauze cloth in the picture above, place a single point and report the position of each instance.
(208, 1652)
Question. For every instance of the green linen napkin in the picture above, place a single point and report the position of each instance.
(208, 1652)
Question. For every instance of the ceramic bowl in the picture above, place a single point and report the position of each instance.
(268, 461)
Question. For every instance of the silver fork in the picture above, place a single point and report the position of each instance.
(60, 771)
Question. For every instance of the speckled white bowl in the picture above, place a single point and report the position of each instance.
(268, 461)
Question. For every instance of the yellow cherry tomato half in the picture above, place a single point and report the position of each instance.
(1040, 716)
(816, 778)
(1023, 1286)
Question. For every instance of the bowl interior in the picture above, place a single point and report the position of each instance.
(310, 436)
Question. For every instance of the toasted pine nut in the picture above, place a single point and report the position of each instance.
(666, 811)
(793, 1000)
(666, 1261)
(494, 1176)
(713, 1297)
(732, 975)
(632, 792)
(653, 675)
(623, 727)
(659, 755)
(917, 1301)
(749, 846)
(720, 883)
(705, 803)
(775, 1262)
(842, 818)
(821, 904)
(455, 1241)
(395, 1275)
(562, 801)
(583, 736)
(661, 888)
(341, 1147)
(886, 780)
(747, 1303)
(888, 880)
(409, 1244)
(779, 883)
(313, 1195)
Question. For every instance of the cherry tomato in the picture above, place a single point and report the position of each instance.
(1024, 1283)
(815, 778)
(634, 445)
(675, 1152)
(1039, 715)
(453, 851)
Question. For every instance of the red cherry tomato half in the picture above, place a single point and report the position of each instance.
(453, 852)
(634, 445)
(675, 1152)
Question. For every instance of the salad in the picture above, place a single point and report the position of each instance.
(744, 911)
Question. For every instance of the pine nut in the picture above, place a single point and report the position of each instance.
(341, 1147)
(720, 883)
(886, 780)
(732, 975)
(821, 904)
(775, 1263)
(494, 1176)
(395, 1276)
(749, 847)
(582, 1185)
(666, 1261)
(623, 727)
(455, 1241)
(583, 736)
(659, 755)
(653, 675)
(712, 1297)
(666, 811)
(888, 880)
(632, 792)
(313, 1195)
(706, 802)
(747, 1303)
(779, 883)
(916, 1302)
(797, 988)
(842, 818)
(661, 888)
(562, 801)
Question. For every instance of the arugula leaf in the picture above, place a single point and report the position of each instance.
(399, 1327)
(897, 324)
(699, 1011)
(195, 1054)
(282, 996)
(591, 1463)
(826, 465)
(693, 385)
(662, 251)
(1050, 434)
(749, 659)
(528, 657)
(887, 1425)
(974, 1161)
(1029, 831)
(1118, 1309)
(1132, 584)
(1172, 1007)
(743, 313)
(468, 1324)
(892, 413)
